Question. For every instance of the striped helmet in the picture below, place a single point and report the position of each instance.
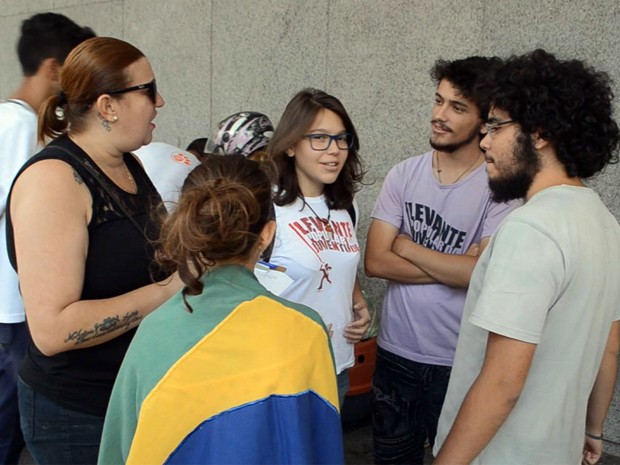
(242, 133)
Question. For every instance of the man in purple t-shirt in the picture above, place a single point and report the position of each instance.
(433, 217)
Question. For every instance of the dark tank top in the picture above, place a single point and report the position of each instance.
(120, 259)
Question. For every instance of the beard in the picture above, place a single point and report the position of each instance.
(454, 146)
(522, 168)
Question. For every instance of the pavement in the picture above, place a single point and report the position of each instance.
(358, 445)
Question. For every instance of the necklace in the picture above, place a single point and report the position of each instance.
(326, 224)
(134, 189)
(439, 170)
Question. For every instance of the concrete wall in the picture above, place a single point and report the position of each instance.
(216, 57)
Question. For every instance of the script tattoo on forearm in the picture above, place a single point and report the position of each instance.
(108, 325)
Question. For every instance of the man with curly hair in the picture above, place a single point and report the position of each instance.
(536, 360)
(432, 218)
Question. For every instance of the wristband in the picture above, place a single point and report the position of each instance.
(594, 436)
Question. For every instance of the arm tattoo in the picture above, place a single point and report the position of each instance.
(77, 177)
(108, 325)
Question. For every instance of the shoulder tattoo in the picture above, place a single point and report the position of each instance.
(77, 177)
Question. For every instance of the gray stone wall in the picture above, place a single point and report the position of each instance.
(216, 57)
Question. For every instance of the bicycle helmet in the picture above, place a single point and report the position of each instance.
(241, 133)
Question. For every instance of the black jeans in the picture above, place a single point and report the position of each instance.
(406, 403)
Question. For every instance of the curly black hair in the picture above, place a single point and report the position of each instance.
(466, 75)
(567, 102)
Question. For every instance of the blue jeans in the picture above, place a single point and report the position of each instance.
(406, 403)
(56, 435)
(13, 345)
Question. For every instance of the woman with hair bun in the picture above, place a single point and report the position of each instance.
(79, 224)
(247, 376)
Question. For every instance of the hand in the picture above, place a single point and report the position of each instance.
(400, 243)
(361, 321)
(473, 250)
(592, 451)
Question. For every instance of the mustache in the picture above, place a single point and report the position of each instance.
(441, 124)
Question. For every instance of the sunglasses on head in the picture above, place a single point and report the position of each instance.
(150, 87)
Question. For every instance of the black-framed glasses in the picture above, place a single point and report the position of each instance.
(150, 87)
(495, 126)
(319, 141)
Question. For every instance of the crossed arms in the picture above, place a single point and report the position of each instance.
(397, 258)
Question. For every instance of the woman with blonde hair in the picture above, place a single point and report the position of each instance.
(79, 225)
(247, 376)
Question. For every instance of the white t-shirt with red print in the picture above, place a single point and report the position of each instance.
(167, 166)
(322, 263)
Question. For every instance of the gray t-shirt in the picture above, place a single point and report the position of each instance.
(421, 322)
(549, 276)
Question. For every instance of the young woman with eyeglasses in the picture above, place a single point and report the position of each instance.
(315, 148)
(79, 225)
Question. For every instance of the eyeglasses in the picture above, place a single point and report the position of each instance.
(492, 128)
(343, 141)
(150, 87)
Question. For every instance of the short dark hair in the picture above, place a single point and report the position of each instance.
(294, 123)
(48, 35)
(466, 75)
(567, 102)
(198, 147)
(198, 144)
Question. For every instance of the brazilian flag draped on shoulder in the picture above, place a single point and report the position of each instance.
(245, 378)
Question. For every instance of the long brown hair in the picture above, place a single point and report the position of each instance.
(94, 67)
(295, 122)
(224, 205)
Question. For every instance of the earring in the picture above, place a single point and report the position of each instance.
(115, 118)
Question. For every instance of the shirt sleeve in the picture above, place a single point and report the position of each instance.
(17, 145)
(496, 213)
(523, 278)
(389, 205)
